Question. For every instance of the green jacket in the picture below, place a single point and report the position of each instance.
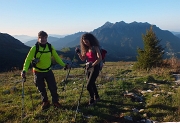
(45, 59)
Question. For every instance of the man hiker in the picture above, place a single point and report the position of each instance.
(40, 56)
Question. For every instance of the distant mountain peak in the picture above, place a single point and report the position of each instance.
(107, 24)
(121, 22)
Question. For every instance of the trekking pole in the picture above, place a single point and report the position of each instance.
(86, 71)
(70, 67)
(22, 109)
(67, 75)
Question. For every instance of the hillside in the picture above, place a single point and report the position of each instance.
(178, 35)
(12, 53)
(124, 39)
(126, 96)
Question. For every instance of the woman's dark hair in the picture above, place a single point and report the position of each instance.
(92, 40)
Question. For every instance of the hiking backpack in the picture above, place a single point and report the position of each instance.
(37, 49)
(103, 54)
(36, 60)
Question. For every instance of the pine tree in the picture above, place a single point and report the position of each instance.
(152, 55)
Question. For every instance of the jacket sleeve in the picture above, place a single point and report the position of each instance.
(57, 58)
(28, 59)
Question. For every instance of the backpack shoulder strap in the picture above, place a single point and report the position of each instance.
(50, 47)
(37, 49)
(94, 51)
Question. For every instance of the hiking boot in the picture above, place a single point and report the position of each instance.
(97, 99)
(91, 102)
(57, 105)
(45, 105)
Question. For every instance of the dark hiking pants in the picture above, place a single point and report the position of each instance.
(91, 86)
(40, 78)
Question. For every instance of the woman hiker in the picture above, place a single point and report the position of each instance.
(89, 50)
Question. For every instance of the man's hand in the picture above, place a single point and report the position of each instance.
(23, 75)
(67, 66)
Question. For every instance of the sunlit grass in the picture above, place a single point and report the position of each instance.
(113, 81)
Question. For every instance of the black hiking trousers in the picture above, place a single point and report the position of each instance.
(91, 86)
(39, 79)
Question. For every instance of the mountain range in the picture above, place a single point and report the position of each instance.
(59, 43)
(120, 39)
(26, 38)
(124, 39)
(33, 42)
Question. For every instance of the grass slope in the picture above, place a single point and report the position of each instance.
(160, 103)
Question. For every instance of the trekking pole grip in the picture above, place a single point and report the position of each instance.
(66, 66)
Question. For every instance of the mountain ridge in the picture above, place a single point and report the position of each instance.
(120, 39)
(12, 52)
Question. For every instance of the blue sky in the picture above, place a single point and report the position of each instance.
(28, 17)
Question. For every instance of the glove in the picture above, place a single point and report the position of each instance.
(88, 65)
(77, 50)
